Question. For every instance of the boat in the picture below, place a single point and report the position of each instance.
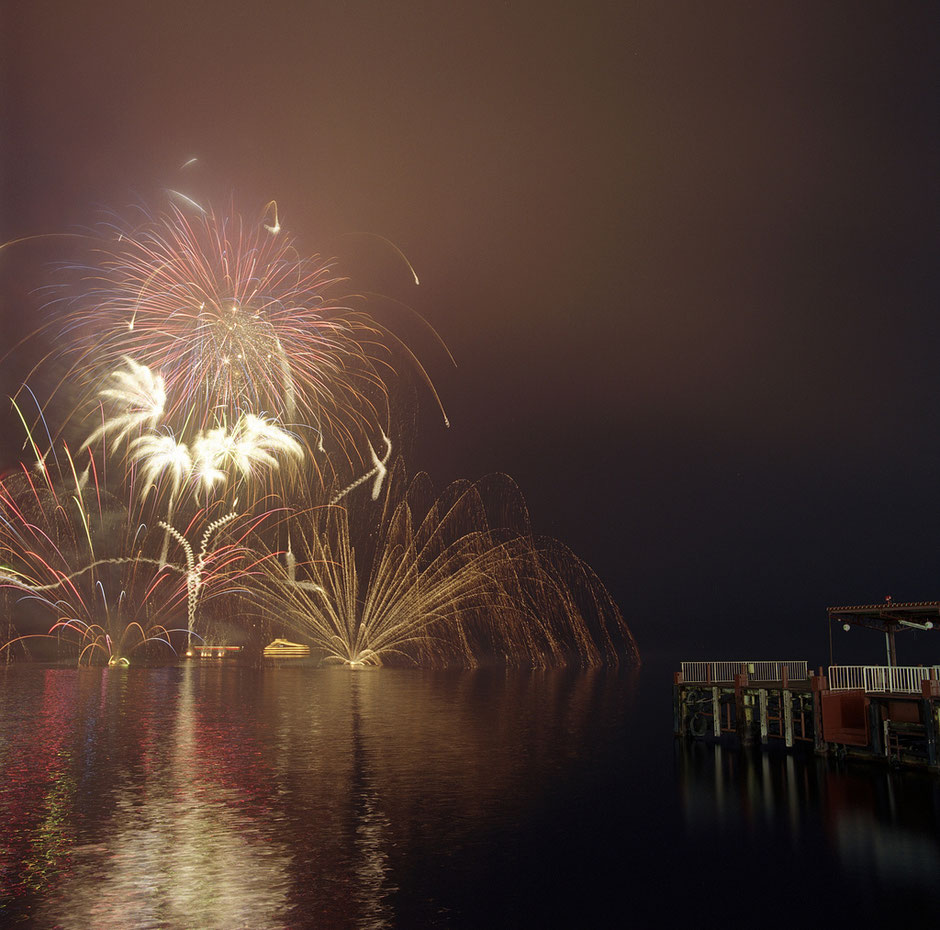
(284, 649)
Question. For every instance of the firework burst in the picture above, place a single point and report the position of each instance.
(452, 580)
(224, 396)
(199, 319)
(76, 569)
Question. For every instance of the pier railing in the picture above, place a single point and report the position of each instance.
(707, 672)
(895, 679)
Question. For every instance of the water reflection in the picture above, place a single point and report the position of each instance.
(880, 824)
(228, 798)
(166, 839)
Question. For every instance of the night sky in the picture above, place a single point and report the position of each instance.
(683, 253)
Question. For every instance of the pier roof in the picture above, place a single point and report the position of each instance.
(889, 615)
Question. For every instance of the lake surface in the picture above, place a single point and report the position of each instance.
(225, 797)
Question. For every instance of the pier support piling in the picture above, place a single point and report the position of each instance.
(762, 705)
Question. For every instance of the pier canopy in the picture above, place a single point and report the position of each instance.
(889, 618)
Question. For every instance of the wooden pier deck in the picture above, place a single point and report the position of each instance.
(892, 716)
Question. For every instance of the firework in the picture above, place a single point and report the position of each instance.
(198, 319)
(443, 585)
(230, 410)
(76, 570)
(138, 397)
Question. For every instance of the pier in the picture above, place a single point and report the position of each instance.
(208, 651)
(886, 713)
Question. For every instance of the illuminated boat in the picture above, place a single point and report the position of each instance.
(284, 649)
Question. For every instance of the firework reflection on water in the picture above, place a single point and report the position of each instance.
(328, 799)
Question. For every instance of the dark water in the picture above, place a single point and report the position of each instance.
(228, 798)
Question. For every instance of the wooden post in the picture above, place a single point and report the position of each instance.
(740, 710)
(762, 701)
(819, 685)
(716, 712)
(927, 716)
(930, 690)
(677, 705)
(787, 699)
(876, 739)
